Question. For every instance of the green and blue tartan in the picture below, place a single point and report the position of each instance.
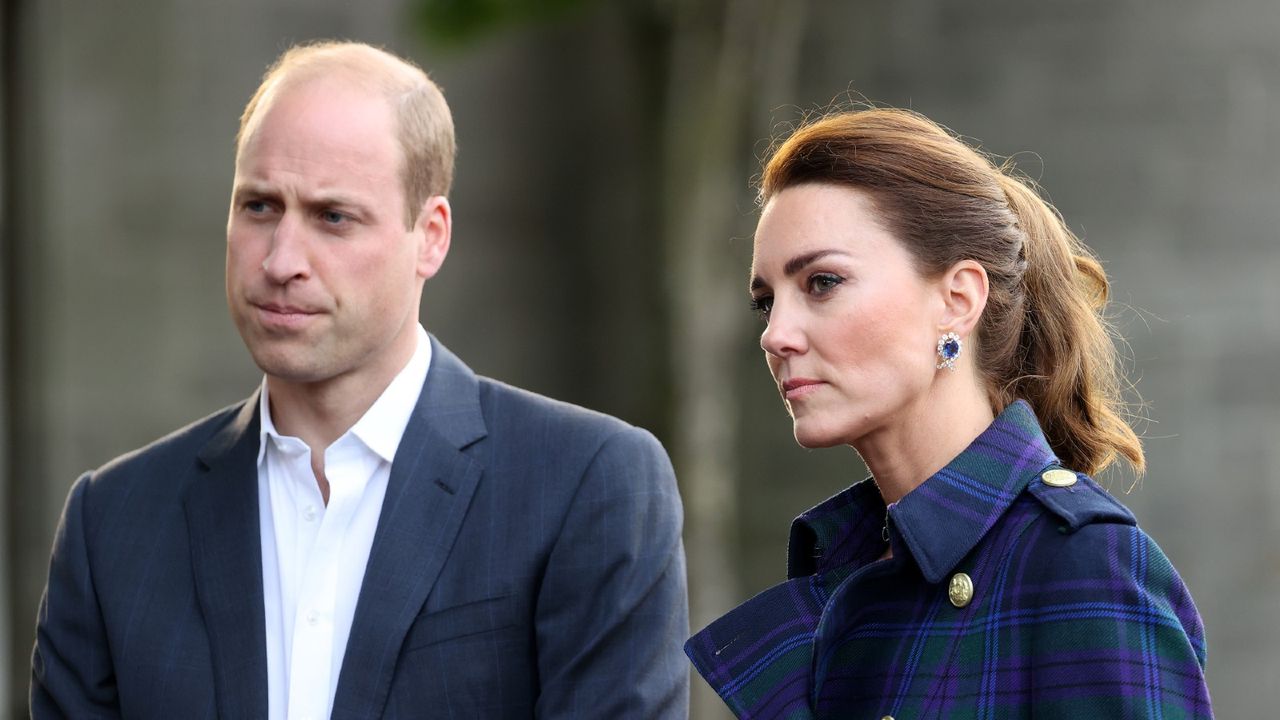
(1076, 613)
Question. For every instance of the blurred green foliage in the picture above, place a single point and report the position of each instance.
(458, 22)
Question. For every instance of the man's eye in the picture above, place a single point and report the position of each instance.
(333, 217)
(761, 306)
(257, 207)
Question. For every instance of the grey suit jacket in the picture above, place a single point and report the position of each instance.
(527, 563)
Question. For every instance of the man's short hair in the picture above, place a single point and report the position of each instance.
(424, 124)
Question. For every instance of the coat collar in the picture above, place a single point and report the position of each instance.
(940, 521)
(944, 519)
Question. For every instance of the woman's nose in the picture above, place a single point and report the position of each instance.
(783, 336)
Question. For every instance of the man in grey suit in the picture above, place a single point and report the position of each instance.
(376, 531)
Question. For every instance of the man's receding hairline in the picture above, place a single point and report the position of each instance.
(391, 76)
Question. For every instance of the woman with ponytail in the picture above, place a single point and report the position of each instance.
(929, 309)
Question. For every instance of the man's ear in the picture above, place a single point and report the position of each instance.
(964, 290)
(435, 223)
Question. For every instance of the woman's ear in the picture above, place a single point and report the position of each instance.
(964, 296)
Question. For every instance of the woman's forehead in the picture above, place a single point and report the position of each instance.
(819, 218)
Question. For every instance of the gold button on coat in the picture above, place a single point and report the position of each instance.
(960, 591)
(1059, 478)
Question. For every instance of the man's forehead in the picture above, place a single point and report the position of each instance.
(323, 119)
(315, 173)
(336, 103)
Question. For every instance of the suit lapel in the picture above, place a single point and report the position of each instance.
(430, 488)
(226, 559)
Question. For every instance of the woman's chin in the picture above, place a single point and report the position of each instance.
(814, 438)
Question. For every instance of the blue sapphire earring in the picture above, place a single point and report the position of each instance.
(949, 347)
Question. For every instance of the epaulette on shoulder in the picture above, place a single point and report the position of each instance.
(1077, 499)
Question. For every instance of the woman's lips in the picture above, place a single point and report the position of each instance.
(796, 388)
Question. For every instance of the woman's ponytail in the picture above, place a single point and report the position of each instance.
(1067, 366)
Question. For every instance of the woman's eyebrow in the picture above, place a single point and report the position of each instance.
(796, 264)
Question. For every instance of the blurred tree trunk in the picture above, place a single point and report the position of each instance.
(728, 58)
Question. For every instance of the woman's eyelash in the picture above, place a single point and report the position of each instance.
(761, 306)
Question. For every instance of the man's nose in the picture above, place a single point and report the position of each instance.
(288, 259)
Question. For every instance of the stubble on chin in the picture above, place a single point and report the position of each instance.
(293, 360)
(292, 364)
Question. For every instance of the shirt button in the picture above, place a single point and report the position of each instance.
(960, 591)
(887, 717)
(313, 618)
(310, 513)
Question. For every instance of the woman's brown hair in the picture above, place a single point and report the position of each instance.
(1042, 336)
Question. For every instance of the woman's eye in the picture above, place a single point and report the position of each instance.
(761, 306)
(823, 283)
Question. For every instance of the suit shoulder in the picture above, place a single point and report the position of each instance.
(523, 406)
(568, 440)
(178, 448)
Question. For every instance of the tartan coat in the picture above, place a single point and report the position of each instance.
(1067, 609)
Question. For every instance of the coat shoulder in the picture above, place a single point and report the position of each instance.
(1077, 500)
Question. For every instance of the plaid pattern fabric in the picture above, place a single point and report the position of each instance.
(1075, 612)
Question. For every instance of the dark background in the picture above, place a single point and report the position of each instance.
(603, 230)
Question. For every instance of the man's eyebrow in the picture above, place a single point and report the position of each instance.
(796, 264)
(319, 200)
(249, 189)
(330, 199)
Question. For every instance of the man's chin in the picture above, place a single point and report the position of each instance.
(290, 369)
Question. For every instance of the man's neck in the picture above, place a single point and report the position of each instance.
(320, 412)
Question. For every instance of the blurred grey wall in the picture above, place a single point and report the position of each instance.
(1152, 126)
(6, 305)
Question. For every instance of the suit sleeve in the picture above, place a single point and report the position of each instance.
(71, 671)
(1118, 635)
(612, 612)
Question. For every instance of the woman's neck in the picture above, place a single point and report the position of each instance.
(926, 436)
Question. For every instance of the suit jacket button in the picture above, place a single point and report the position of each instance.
(960, 591)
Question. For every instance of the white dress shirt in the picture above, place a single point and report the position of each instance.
(313, 556)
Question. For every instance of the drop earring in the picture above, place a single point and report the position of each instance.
(949, 347)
